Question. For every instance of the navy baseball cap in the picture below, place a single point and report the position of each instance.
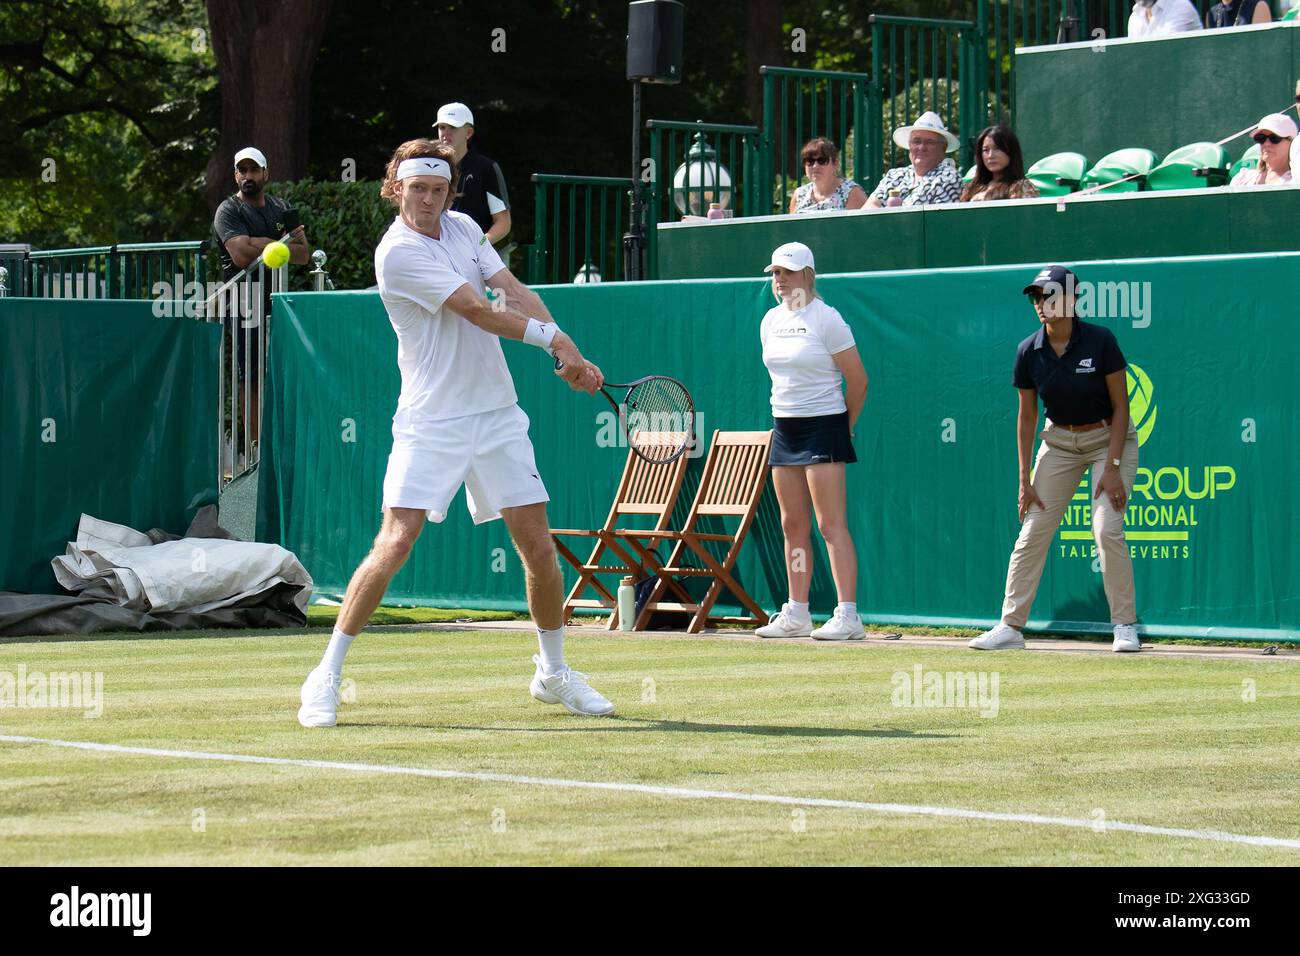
(1058, 276)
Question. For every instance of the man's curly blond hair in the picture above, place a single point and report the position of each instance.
(414, 149)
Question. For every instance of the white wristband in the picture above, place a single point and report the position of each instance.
(540, 334)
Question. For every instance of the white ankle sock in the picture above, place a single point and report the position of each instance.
(798, 609)
(551, 644)
(337, 650)
(848, 608)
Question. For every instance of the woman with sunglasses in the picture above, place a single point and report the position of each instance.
(826, 188)
(1078, 371)
(999, 169)
(1275, 133)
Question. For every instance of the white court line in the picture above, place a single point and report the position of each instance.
(1217, 836)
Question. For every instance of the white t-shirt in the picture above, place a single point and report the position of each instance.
(797, 350)
(450, 367)
(1167, 18)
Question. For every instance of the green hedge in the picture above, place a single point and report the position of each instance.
(346, 220)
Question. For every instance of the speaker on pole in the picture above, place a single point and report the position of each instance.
(654, 41)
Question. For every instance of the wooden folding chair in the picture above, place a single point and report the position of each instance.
(735, 473)
(645, 489)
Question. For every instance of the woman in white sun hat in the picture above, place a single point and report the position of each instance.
(1275, 134)
(927, 178)
(818, 389)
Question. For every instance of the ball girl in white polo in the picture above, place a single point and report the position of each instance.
(818, 389)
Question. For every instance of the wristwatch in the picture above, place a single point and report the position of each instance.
(1115, 462)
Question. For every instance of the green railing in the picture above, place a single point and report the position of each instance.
(124, 271)
(920, 64)
(579, 222)
(696, 164)
(799, 105)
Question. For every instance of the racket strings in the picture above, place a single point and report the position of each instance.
(660, 418)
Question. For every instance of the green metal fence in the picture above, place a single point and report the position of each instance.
(579, 222)
(920, 64)
(799, 105)
(124, 271)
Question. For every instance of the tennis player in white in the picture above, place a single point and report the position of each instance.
(457, 419)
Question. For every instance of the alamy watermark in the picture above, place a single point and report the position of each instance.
(76, 690)
(1101, 300)
(975, 690)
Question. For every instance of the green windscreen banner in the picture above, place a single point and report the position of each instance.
(1212, 521)
(104, 409)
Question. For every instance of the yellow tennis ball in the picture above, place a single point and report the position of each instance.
(275, 254)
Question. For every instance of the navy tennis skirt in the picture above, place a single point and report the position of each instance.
(812, 441)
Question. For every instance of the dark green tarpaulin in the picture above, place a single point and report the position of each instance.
(1212, 525)
(104, 409)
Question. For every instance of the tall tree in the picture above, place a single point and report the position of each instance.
(765, 45)
(266, 54)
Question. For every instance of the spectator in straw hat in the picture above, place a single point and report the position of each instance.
(927, 178)
(1275, 134)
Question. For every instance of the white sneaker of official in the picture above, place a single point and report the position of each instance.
(1126, 640)
(1001, 638)
(841, 627)
(785, 624)
(570, 689)
(320, 699)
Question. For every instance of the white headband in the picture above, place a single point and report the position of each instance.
(423, 166)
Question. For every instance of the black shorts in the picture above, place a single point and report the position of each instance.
(812, 441)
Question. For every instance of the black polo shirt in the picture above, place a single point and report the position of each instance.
(479, 176)
(238, 218)
(1073, 385)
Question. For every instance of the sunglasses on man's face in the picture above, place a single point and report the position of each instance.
(1269, 137)
(817, 161)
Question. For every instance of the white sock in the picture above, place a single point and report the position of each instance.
(337, 650)
(798, 609)
(848, 608)
(552, 649)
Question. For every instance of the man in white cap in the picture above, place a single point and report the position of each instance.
(1275, 134)
(457, 420)
(483, 194)
(244, 225)
(927, 178)
(250, 219)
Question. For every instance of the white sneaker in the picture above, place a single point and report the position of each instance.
(1001, 638)
(1126, 639)
(841, 627)
(569, 688)
(320, 699)
(785, 624)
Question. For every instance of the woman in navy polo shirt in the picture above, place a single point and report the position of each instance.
(1078, 371)
(809, 352)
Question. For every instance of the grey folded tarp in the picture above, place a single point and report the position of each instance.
(129, 581)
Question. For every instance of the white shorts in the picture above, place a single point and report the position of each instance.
(489, 453)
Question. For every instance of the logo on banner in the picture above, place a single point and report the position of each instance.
(1167, 504)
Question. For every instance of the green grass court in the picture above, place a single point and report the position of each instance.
(1157, 739)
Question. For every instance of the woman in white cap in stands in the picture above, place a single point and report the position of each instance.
(1275, 133)
(927, 178)
(818, 389)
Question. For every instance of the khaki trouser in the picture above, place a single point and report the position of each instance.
(1063, 457)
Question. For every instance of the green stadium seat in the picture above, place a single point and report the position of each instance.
(1115, 166)
(1249, 160)
(1290, 14)
(1058, 174)
(1195, 166)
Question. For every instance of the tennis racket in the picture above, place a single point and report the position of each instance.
(657, 415)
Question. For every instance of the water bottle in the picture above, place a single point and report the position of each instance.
(895, 198)
(715, 210)
(626, 604)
